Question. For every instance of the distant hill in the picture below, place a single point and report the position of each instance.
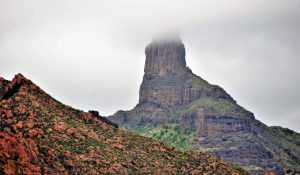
(182, 109)
(39, 135)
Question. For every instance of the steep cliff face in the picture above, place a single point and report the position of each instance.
(164, 57)
(182, 109)
(167, 82)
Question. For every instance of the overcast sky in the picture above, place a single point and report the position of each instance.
(90, 53)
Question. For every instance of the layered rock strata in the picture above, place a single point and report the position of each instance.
(182, 109)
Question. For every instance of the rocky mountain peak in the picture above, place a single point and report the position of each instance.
(168, 83)
(164, 56)
(180, 108)
(9, 88)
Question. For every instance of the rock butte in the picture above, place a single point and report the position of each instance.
(182, 109)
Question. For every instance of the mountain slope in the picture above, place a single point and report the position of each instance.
(180, 108)
(39, 135)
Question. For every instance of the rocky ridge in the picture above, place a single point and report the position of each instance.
(39, 135)
(182, 109)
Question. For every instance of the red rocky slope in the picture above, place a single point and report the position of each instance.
(39, 135)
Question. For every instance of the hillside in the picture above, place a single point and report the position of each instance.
(39, 135)
(182, 109)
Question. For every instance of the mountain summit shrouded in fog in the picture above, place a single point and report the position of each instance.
(180, 108)
(250, 48)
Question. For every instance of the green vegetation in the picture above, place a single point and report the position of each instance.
(170, 134)
(193, 80)
(222, 107)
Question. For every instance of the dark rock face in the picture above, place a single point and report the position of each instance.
(103, 119)
(184, 110)
(3, 85)
(165, 57)
(14, 86)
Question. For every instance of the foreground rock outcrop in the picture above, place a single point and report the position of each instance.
(180, 108)
(39, 135)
